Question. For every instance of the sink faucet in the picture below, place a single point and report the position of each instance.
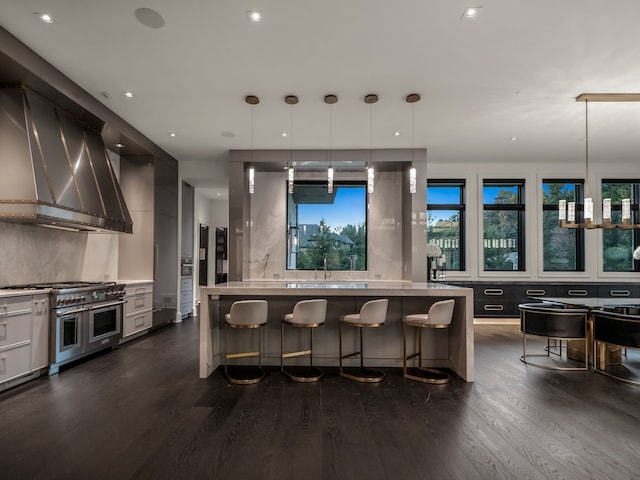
(326, 274)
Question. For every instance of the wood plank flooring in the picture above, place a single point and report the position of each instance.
(141, 412)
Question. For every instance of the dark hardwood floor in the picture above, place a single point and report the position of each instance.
(141, 412)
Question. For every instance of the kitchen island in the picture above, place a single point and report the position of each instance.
(448, 348)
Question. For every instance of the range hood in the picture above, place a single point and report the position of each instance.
(55, 170)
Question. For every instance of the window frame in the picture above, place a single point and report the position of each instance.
(635, 218)
(518, 207)
(579, 189)
(460, 207)
(336, 184)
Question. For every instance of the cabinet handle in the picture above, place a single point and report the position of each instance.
(619, 293)
(3, 364)
(3, 325)
(140, 290)
(535, 293)
(494, 308)
(577, 293)
(496, 292)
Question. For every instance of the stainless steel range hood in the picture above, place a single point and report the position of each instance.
(54, 170)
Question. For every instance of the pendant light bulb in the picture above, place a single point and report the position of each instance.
(290, 181)
(370, 180)
(252, 173)
(330, 180)
(412, 180)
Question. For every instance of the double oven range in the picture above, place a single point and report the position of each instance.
(85, 317)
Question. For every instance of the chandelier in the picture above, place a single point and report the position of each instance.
(567, 210)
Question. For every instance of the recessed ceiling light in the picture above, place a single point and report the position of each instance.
(396, 134)
(254, 16)
(284, 134)
(226, 134)
(119, 145)
(172, 134)
(513, 139)
(218, 194)
(470, 12)
(128, 94)
(45, 17)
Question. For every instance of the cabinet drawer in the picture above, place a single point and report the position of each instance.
(497, 308)
(491, 292)
(619, 291)
(579, 290)
(15, 326)
(137, 303)
(141, 289)
(523, 293)
(186, 283)
(15, 362)
(137, 322)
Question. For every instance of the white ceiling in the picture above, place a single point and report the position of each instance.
(511, 72)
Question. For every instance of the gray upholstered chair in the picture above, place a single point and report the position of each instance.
(568, 325)
(308, 314)
(372, 315)
(613, 334)
(439, 316)
(245, 314)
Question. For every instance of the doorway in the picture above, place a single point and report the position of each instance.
(203, 256)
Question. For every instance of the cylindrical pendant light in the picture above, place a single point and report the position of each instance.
(330, 100)
(370, 99)
(412, 98)
(252, 100)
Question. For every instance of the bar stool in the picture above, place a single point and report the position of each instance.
(307, 314)
(372, 315)
(439, 316)
(245, 314)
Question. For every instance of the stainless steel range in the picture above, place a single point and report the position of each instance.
(85, 317)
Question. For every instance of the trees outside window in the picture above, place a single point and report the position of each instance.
(618, 244)
(445, 219)
(562, 248)
(503, 225)
(327, 227)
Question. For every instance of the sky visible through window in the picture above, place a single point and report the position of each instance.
(348, 208)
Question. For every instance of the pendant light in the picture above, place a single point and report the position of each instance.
(290, 100)
(567, 210)
(412, 99)
(253, 101)
(370, 99)
(330, 100)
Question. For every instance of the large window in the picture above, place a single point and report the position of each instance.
(445, 220)
(503, 225)
(562, 248)
(618, 244)
(327, 229)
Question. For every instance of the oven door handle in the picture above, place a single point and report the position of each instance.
(71, 312)
(103, 305)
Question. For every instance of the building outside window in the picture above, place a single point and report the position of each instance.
(327, 228)
(562, 248)
(503, 215)
(619, 244)
(445, 220)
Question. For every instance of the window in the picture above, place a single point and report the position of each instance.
(445, 220)
(327, 227)
(618, 244)
(562, 248)
(503, 225)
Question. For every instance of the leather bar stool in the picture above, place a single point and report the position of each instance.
(245, 314)
(439, 316)
(307, 314)
(372, 315)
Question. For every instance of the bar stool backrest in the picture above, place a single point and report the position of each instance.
(312, 312)
(374, 311)
(441, 313)
(248, 312)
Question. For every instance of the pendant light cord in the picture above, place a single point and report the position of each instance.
(586, 147)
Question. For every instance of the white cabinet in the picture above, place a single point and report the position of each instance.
(138, 311)
(186, 296)
(24, 337)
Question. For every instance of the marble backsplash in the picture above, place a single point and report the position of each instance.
(31, 254)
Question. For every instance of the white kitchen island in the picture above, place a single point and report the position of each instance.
(448, 348)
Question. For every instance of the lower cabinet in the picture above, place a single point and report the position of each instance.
(186, 296)
(24, 338)
(138, 311)
(501, 299)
